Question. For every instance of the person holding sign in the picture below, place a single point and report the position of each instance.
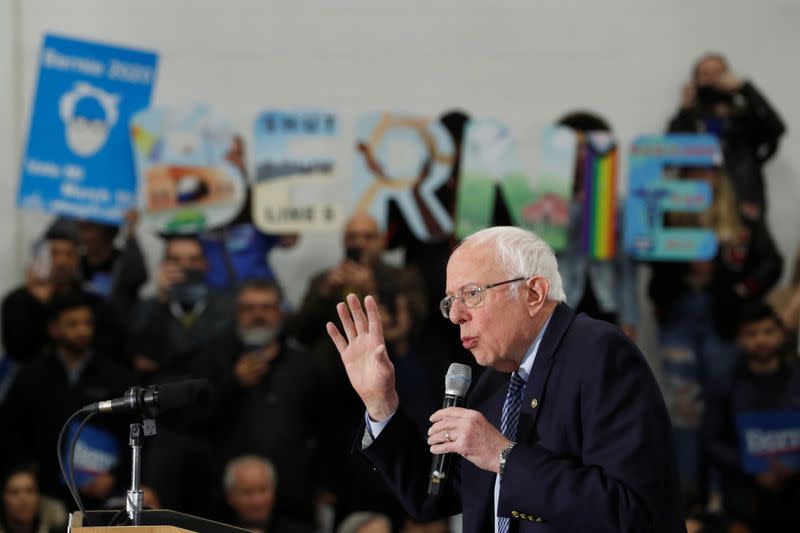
(46, 392)
(717, 101)
(695, 305)
(765, 380)
(602, 287)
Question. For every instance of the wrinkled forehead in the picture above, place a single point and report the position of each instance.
(473, 265)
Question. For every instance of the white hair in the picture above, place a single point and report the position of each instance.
(521, 253)
(229, 478)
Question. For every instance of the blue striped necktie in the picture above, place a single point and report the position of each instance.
(508, 426)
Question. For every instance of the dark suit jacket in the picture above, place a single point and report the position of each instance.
(594, 449)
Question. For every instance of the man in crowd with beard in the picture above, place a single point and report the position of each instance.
(764, 381)
(268, 396)
(46, 392)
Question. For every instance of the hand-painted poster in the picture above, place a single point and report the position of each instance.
(660, 196)
(490, 161)
(78, 157)
(403, 159)
(189, 179)
(295, 187)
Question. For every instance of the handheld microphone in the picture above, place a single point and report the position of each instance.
(456, 383)
(150, 401)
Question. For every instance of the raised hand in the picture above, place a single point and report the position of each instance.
(363, 353)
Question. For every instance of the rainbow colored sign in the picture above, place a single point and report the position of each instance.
(599, 174)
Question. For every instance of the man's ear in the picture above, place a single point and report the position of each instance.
(537, 289)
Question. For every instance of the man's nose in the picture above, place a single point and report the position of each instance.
(458, 312)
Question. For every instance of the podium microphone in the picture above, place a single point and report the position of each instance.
(456, 383)
(150, 401)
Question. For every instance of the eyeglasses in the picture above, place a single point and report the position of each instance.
(471, 296)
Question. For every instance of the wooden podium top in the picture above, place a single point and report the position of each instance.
(130, 529)
(155, 521)
(76, 526)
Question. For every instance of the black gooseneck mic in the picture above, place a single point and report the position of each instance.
(150, 401)
(456, 383)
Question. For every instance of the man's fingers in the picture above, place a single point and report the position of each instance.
(440, 427)
(347, 322)
(336, 337)
(373, 316)
(446, 447)
(452, 412)
(359, 319)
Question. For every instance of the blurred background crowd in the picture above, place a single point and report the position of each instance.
(269, 449)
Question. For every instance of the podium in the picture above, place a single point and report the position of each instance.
(153, 521)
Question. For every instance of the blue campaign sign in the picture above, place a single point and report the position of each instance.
(78, 160)
(96, 452)
(769, 436)
(651, 195)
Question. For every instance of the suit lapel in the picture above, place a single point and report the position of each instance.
(488, 397)
(534, 391)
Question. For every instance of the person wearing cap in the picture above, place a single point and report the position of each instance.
(566, 429)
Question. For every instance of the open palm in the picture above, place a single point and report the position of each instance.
(363, 353)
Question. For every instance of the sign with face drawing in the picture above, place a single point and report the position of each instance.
(190, 167)
(78, 158)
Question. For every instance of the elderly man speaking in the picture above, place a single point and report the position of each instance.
(566, 431)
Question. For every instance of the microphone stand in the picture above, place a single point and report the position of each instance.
(135, 500)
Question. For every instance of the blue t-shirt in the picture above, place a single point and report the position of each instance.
(248, 250)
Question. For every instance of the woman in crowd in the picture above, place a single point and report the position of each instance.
(24, 509)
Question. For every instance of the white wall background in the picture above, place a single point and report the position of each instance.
(526, 62)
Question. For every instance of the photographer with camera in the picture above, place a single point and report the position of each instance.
(171, 328)
(169, 334)
(718, 102)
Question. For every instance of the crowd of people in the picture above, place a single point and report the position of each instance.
(271, 448)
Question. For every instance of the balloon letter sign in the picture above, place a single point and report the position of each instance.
(652, 196)
(404, 159)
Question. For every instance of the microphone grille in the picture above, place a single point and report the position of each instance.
(457, 380)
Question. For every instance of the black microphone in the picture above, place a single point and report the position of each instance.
(150, 401)
(456, 383)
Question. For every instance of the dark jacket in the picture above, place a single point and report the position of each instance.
(356, 485)
(594, 450)
(25, 318)
(745, 392)
(126, 271)
(157, 333)
(41, 400)
(278, 418)
(755, 262)
(749, 138)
